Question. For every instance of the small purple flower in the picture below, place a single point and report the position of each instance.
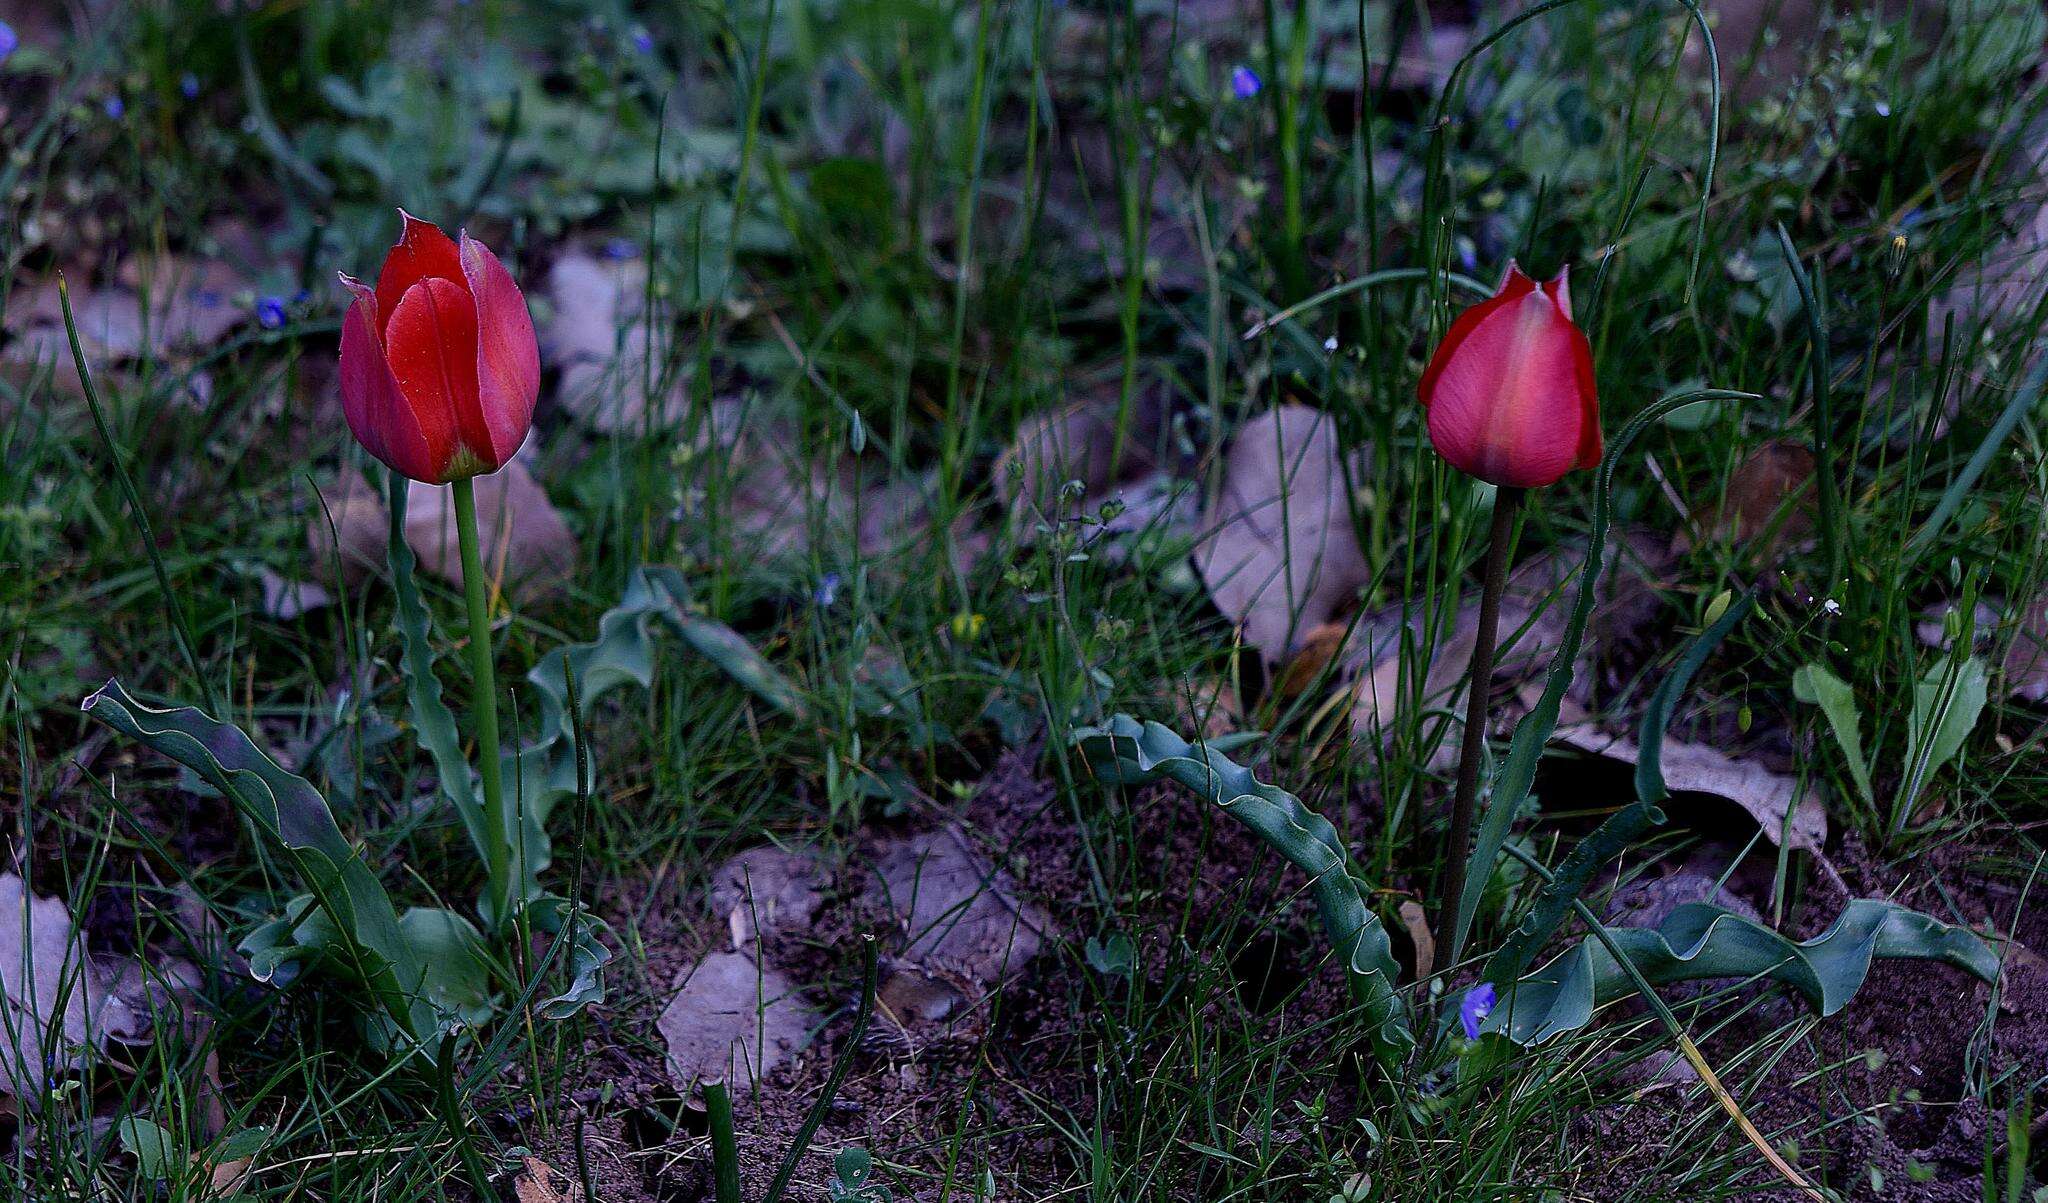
(270, 312)
(10, 41)
(113, 107)
(1244, 82)
(1513, 120)
(1884, 108)
(1475, 1007)
(621, 248)
(642, 40)
(188, 86)
(828, 591)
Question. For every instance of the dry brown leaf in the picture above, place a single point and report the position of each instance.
(1280, 556)
(598, 338)
(732, 1020)
(157, 306)
(49, 986)
(1075, 443)
(766, 890)
(1768, 797)
(955, 909)
(539, 1182)
(526, 545)
(1416, 920)
(360, 531)
(285, 599)
(1768, 506)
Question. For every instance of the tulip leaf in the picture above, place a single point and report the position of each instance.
(1622, 828)
(1517, 773)
(1124, 751)
(1699, 942)
(543, 773)
(589, 951)
(431, 717)
(376, 947)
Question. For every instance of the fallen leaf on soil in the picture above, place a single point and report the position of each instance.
(732, 1021)
(766, 890)
(1767, 508)
(361, 530)
(1280, 555)
(285, 599)
(598, 337)
(156, 306)
(527, 547)
(1416, 920)
(965, 930)
(1534, 609)
(50, 987)
(539, 1182)
(1075, 443)
(1768, 797)
(2026, 658)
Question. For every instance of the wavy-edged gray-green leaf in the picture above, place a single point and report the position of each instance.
(1126, 752)
(289, 811)
(431, 717)
(1623, 827)
(543, 773)
(1699, 942)
(588, 952)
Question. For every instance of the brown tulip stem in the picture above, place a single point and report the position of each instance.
(484, 699)
(1465, 803)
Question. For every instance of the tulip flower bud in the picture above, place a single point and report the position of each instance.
(439, 366)
(1510, 389)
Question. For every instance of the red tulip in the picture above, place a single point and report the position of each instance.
(1510, 389)
(439, 367)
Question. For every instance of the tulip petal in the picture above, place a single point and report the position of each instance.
(371, 401)
(508, 357)
(430, 342)
(1509, 401)
(422, 252)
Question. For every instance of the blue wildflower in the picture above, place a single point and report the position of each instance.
(1475, 1007)
(1884, 108)
(270, 312)
(10, 41)
(114, 107)
(621, 248)
(1244, 82)
(828, 591)
(642, 40)
(188, 84)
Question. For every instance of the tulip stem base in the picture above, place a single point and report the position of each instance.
(484, 699)
(1507, 504)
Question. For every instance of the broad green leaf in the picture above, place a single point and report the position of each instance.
(1126, 752)
(1815, 685)
(1946, 704)
(1701, 942)
(155, 1149)
(355, 922)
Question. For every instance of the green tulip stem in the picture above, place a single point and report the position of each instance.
(1507, 503)
(484, 697)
